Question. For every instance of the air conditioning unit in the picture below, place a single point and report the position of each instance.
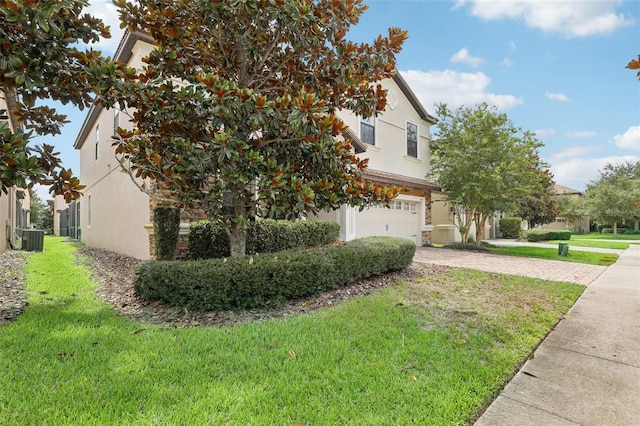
(33, 239)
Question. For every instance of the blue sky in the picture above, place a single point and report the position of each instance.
(555, 67)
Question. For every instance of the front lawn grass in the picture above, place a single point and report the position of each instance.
(435, 350)
(596, 236)
(591, 258)
(588, 243)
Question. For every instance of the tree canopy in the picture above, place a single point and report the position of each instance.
(236, 109)
(539, 207)
(484, 164)
(40, 60)
(613, 198)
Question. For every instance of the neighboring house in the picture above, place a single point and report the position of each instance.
(579, 226)
(66, 218)
(114, 212)
(14, 206)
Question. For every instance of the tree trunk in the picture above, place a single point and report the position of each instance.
(481, 220)
(615, 229)
(238, 240)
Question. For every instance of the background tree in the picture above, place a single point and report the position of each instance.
(251, 129)
(483, 163)
(39, 60)
(539, 207)
(41, 212)
(613, 197)
(570, 208)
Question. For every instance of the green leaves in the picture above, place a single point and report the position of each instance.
(251, 129)
(39, 61)
(483, 161)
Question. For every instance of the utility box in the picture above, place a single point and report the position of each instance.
(33, 239)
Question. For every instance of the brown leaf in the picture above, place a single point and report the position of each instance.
(292, 353)
(412, 377)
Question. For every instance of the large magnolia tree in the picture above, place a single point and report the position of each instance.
(484, 164)
(40, 61)
(236, 109)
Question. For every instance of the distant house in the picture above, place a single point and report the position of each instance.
(14, 206)
(579, 226)
(114, 212)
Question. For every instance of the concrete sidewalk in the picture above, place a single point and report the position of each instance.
(587, 370)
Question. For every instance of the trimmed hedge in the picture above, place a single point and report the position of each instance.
(209, 241)
(254, 281)
(511, 227)
(547, 235)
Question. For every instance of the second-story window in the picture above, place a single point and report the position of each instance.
(97, 141)
(412, 140)
(368, 130)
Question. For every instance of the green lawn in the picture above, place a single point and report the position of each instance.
(596, 236)
(591, 258)
(588, 243)
(432, 351)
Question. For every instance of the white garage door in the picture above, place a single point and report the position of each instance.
(399, 221)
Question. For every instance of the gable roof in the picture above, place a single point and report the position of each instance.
(413, 99)
(563, 190)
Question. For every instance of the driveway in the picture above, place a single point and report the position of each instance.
(553, 270)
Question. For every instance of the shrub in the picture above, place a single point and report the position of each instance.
(510, 227)
(632, 232)
(209, 241)
(253, 281)
(547, 235)
(166, 228)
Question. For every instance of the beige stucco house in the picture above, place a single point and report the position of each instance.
(114, 212)
(580, 226)
(14, 205)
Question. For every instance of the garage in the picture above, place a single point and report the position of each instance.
(401, 220)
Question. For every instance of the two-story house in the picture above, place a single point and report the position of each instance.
(114, 212)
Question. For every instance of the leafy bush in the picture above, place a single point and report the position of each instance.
(606, 231)
(166, 228)
(547, 235)
(253, 281)
(632, 232)
(511, 227)
(209, 241)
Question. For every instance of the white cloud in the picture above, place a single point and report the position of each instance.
(571, 18)
(630, 139)
(577, 172)
(108, 13)
(575, 152)
(456, 89)
(558, 97)
(463, 56)
(581, 134)
(506, 62)
(512, 46)
(544, 133)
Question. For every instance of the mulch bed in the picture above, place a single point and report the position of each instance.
(114, 273)
(13, 296)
